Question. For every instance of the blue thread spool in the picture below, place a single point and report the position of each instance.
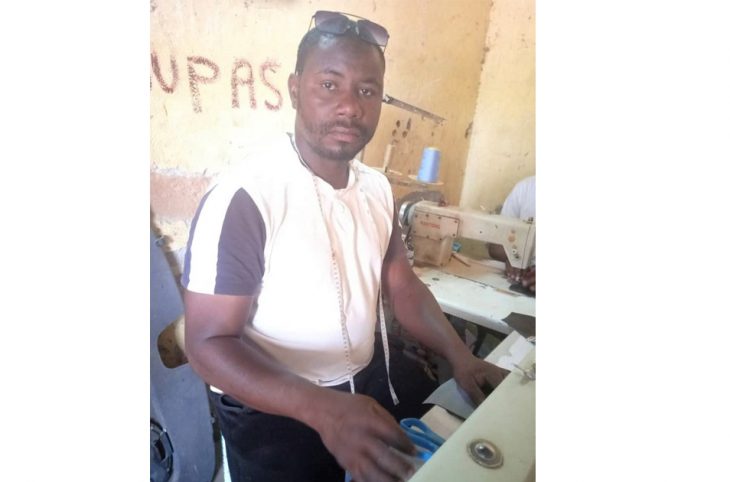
(429, 171)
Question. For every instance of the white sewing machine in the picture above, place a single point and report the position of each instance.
(497, 442)
(432, 229)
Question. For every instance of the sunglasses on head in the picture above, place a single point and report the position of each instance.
(337, 23)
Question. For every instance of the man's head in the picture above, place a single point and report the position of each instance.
(337, 87)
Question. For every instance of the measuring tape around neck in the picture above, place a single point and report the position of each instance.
(336, 276)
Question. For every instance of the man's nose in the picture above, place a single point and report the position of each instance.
(349, 105)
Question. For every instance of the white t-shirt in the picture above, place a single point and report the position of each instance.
(521, 200)
(262, 226)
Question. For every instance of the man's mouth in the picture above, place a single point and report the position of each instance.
(345, 134)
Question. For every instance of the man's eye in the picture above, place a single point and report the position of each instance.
(328, 85)
(366, 92)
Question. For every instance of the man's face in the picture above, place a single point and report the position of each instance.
(338, 97)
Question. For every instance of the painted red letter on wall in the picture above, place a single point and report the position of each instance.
(195, 78)
(236, 81)
(271, 65)
(169, 88)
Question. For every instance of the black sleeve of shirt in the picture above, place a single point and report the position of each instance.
(240, 260)
(241, 248)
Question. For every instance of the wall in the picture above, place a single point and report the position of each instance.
(218, 81)
(438, 49)
(502, 150)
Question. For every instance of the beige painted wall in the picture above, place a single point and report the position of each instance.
(502, 150)
(218, 80)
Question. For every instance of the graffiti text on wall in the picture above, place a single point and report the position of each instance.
(203, 71)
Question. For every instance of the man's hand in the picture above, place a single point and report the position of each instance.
(472, 374)
(526, 277)
(365, 439)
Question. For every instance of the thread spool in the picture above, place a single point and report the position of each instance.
(429, 170)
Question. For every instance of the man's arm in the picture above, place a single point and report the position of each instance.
(354, 428)
(224, 357)
(516, 275)
(418, 311)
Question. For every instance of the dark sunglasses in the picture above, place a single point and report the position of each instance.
(338, 23)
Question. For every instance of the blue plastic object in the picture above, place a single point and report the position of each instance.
(426, 440)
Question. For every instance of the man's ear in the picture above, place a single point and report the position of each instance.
(293, 89)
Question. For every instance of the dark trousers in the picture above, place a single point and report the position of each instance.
(269, 448)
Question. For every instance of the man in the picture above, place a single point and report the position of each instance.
(520, 203)
(285, 264)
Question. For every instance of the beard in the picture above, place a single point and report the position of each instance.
(337, 150)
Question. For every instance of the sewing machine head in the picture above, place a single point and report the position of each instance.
(432, 229)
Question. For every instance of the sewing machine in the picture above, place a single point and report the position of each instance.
(496, 443)
(432, 229)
